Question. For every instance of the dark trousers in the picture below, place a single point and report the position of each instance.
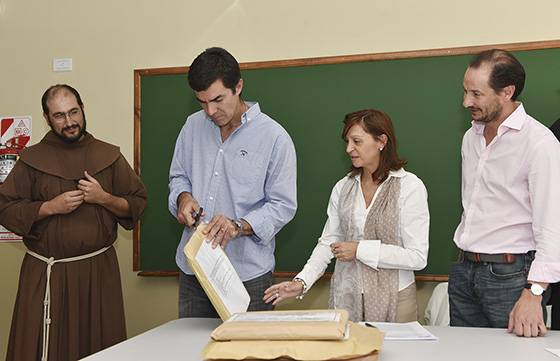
(555, 302)
(193, 301)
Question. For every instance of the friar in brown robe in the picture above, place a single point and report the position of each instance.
(52, 198)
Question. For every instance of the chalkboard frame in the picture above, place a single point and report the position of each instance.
(139, 73)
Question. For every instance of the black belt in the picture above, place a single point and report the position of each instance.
(491, 258)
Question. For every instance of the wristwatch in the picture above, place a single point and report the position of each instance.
(535, 288)
(238, 226)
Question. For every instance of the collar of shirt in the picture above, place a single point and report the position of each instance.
(399, 173)
(514, 121)
(252, 112)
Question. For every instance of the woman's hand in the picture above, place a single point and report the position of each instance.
(344, 251)
(282, 291)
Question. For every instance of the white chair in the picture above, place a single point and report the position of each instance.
(437, 310)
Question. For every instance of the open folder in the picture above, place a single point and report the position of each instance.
(216, 275)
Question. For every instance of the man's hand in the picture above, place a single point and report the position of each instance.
(220, 231)
(93, 192)
(526, 317)
(344, 251)
(62, 204)
(282, 291)
(186, 207)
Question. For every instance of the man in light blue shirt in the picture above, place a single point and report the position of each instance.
(237, 167)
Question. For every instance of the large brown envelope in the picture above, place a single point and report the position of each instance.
(362, 342)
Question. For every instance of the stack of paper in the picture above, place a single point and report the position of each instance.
(284, 325)
(402, 331)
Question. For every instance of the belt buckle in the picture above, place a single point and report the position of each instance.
(509, 258)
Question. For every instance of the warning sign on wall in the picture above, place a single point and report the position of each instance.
(15, 133)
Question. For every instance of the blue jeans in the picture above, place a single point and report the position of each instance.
(483, 294)
(193, 301)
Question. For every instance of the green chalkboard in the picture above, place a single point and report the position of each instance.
(423, 96)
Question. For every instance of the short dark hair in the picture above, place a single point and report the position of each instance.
(52, 90)
(376, 123)
(506, 70)
(213, 64)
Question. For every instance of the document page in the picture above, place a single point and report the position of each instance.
(286, 317)
(222, 276)
(402, 331)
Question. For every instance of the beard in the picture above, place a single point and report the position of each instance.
(70, 140)
(491, 114)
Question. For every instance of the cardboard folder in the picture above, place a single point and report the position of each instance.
(228, 297)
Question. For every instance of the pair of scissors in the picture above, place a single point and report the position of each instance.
(197, 217)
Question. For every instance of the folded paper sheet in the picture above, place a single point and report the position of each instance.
(216, 275)
(284, 325)
(361, 342)
(403, 331)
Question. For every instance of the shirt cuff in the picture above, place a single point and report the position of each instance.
(263, 231)
(306, 279)
(136, 206)
(368, 252)
(546, 272)
(173, 195)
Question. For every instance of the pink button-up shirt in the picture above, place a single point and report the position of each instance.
(511, 193)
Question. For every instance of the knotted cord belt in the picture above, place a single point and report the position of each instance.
(47, 300)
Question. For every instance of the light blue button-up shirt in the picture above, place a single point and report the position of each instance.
(252, 175)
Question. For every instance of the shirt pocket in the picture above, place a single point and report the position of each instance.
(245, 168)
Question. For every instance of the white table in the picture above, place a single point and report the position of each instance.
(183, 339)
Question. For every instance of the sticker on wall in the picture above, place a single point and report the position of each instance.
(15, 133)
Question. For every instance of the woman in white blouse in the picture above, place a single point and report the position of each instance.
(377, 228)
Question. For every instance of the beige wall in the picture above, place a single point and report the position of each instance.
(108, 39)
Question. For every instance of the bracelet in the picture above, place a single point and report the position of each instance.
(303, 290)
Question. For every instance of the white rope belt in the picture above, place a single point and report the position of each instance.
(47, 300)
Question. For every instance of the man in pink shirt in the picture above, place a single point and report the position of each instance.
(509, 236)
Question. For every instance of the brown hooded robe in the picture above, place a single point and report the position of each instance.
(86, 297)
